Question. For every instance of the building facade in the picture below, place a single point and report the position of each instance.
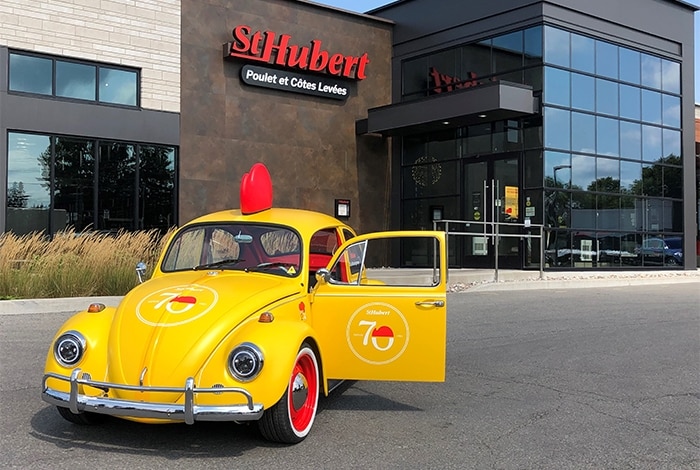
(571, 116)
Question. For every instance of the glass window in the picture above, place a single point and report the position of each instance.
(670, 76)
(556, 87)
(651, 143)
(583, 96)
(475, 60)
(557, 170)
(651, 106)
(671, 110)
(532, 132)
(607, 136)
(630, 140)
(583, 172)
(606, 60)
(630, 65)
(652, 179)
(608, 175)
(606, 97)
(608, 211)
(478, 139)
(630, 177)
(415, 76)
(443, 148)
(157, 187)
(651, 71)
(557, 128)
(583, 216)
(118, 86)
(582, 53)
(28, 175)
(630, 102)
(507, 52)
(583, 132)
(31, 74)
(414, 147)
(116, 183)
(533, 169)
(533, 76)
(673, 182)
(75, 80)
(556, 46)
(74, 182)
(533, 45)
(430, 178)
(672, 143)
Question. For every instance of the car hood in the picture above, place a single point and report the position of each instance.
(165, 329)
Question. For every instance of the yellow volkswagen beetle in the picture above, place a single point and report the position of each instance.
(251, 314)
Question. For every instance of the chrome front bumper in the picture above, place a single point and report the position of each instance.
(189, 412)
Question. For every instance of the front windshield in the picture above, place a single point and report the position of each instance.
(235, 246)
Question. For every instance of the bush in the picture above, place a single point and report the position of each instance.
(74, 264)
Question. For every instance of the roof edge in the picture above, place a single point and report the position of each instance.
(366, 16)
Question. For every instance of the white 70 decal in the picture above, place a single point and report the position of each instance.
(169, 305)
(370, 329)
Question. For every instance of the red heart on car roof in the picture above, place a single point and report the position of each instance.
(256, 190)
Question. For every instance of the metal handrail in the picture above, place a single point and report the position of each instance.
(492, 232)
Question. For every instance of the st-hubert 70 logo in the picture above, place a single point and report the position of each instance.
(377, 333)
(177, 305)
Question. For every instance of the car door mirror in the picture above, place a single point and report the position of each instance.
(323, 275)
(141, 271)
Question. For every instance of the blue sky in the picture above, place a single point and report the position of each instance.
(365, 5)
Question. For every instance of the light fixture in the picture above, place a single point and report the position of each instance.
(482, 116)
(342, 208)
(436, 213)
(447, 123)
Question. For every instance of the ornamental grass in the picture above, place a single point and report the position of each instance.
(74, 264)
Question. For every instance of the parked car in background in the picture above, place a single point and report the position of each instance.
(661, 251)
(250, 315)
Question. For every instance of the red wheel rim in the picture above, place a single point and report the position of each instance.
(302, 416)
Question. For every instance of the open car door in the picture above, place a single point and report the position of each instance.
(376, 323)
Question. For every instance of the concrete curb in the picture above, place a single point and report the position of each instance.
(65, 304)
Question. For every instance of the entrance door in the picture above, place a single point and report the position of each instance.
(491, 192)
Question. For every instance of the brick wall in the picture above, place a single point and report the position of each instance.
(135, 33)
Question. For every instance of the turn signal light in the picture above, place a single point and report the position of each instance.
(96, 308)
(266, 317)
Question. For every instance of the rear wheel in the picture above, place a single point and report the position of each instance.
(290, 419)
(80, 418)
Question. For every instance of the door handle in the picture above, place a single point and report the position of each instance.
(430, 303)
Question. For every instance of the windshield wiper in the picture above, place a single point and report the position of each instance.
(267, 266)
(217, 264)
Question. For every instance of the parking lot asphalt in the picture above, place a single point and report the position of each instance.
(459, 280)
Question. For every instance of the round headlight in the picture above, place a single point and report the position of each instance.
(245, 362)
(69, 348)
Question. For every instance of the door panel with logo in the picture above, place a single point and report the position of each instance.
(492, 194)
(375, 323)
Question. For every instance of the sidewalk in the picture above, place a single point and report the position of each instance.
(459, 280)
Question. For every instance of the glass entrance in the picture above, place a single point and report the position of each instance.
(492, 194)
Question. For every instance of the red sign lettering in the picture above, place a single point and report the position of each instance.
(270, 48)
(444, 83)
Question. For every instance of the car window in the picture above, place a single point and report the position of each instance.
(674, 243)
(263, 248)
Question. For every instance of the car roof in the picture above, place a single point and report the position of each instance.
(304, 221)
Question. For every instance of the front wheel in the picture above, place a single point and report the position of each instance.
(290, 419)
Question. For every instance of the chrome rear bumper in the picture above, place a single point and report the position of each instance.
(189, 412)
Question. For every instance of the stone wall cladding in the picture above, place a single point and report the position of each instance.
(308, 143)
(136, 33)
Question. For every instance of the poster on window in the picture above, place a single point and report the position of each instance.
(511, 202)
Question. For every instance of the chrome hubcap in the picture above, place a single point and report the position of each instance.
(300, 391)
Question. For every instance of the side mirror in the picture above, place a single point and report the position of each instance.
(323, 275)
(141, 271)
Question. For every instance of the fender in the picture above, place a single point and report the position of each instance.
(95, 328)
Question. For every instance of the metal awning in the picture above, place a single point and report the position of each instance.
(491, 101)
